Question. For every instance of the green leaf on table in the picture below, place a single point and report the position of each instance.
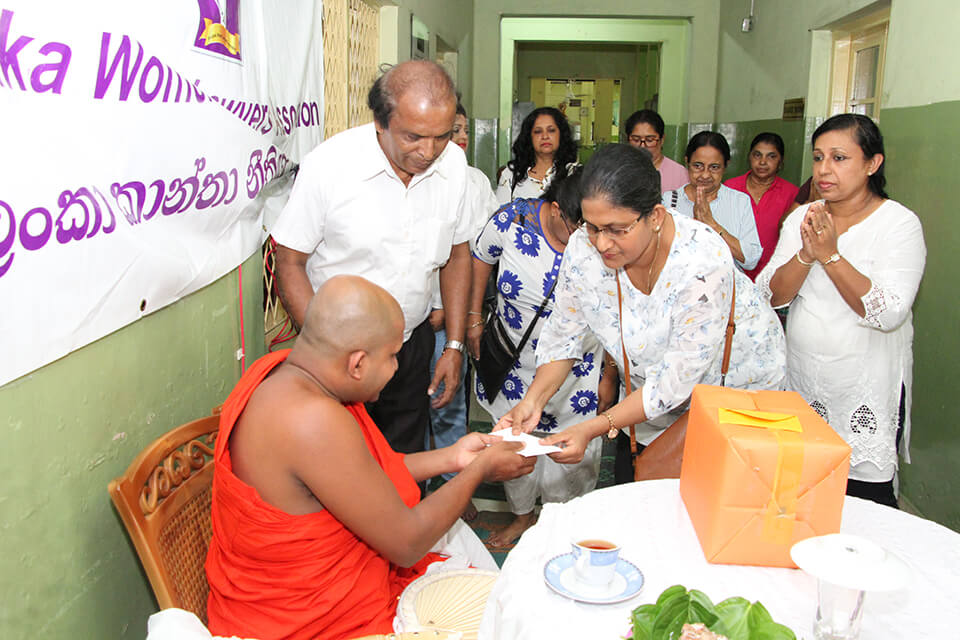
(740, 620)
(735, 618)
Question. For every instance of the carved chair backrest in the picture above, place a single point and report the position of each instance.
(164, 501)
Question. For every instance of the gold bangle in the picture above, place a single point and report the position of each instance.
(800, 260)
(478, 323)
(474, 313)
(613, 430)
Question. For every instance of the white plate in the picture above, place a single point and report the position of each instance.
(850, 561)
(560, 576)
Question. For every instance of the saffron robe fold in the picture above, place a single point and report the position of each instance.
(274, 575)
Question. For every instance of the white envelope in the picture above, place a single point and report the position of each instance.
(532, 446)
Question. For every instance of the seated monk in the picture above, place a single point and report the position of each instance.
(317, 523)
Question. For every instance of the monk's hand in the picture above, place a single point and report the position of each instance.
(447, 372)
(523, 418)
(573, 440)
(502, 461)
(466, 449)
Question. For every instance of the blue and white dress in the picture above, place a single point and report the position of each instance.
(528, 267)
(674, 336)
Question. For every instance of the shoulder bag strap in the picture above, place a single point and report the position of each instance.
(731, 328)
(626, 363)
(674, 198)
(724, 366)
(533, 323)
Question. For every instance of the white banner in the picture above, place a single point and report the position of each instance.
(137, 139)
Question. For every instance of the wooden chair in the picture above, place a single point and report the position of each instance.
(164, 501)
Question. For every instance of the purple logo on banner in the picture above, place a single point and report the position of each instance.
(219, 28)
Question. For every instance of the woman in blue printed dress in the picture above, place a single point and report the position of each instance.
(527, 237)
(675, 276)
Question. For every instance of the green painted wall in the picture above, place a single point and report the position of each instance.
(70, 427)
(921, 152)
(919, 117)
(740, 134)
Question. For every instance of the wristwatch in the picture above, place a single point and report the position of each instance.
(834, 258)
(456, 344)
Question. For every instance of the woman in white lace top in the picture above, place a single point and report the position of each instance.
(675, 276)
(849, 267)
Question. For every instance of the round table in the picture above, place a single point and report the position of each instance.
(650, 522)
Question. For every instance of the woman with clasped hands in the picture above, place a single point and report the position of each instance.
(675, 277)
(849, 267)
(706, 199)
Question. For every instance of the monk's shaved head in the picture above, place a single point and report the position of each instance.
(428, 79)
(350, 313)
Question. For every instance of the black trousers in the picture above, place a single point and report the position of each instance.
(402, 412)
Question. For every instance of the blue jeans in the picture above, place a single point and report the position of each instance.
(448, 423)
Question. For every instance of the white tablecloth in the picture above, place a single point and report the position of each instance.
(650, 522)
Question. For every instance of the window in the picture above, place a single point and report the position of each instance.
(858, 57)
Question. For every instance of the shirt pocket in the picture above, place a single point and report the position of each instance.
(436, 241)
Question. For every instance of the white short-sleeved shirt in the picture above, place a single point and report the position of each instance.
(479, 205)
(674, 337)
(733, 211)
(851, 369)
(351, 212)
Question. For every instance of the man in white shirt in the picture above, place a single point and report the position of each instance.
(386, 201)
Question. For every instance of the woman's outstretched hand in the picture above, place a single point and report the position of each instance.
(523, 418)
(573, 441)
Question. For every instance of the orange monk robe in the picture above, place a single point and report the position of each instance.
(274, 575)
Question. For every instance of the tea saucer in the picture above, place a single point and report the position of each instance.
(560, 576)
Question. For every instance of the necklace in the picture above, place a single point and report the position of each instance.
(656, 252)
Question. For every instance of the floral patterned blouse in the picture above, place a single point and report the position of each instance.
(674, 337)
(528, 267)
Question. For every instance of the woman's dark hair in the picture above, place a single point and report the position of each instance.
(565, 192)
(770, 138)
(623, 176)
(644, 116)
(460, 110)
(523, 155)
(867, 135)
(708, 139)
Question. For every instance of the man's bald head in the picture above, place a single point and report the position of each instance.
(427, 78)
(350, 313)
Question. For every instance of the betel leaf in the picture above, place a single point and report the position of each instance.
(735, 618)
(740, 620)
(693, 606)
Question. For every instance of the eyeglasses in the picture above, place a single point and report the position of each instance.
(614, 233)
(699, 167)
(646, 141)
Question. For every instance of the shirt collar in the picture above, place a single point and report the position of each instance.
(373, 161)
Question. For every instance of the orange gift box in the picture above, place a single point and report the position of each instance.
(761, 471)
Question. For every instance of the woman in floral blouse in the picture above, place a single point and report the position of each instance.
(675, 276)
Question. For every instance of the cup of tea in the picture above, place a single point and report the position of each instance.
(595, 561)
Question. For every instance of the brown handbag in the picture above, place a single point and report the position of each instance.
(663, 456)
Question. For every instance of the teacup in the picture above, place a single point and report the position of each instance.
(595, 561)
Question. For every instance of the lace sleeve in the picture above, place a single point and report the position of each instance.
(895, 280)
